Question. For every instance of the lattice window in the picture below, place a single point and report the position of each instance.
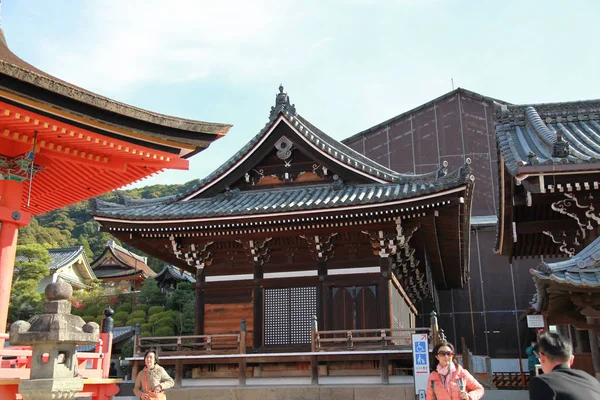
(288, 315)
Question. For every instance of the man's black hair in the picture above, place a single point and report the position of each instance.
(555, 347)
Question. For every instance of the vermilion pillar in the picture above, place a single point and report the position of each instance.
(11, 218)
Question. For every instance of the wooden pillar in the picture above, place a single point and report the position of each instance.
(258, 306)
(321, 294)
(594, 347)
(199, 320)
(242, 363)
(384, 367)
(383, 292)
(11, 218)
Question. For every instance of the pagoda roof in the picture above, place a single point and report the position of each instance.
(530, 137)
(175, 273)
(369, 182)
(14, 67)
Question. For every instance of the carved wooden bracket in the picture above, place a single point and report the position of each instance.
(195, 254)
(257, 251)
(321, 248)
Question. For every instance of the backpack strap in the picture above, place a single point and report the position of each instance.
(433, 389)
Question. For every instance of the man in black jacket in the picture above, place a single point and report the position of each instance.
(559, 381)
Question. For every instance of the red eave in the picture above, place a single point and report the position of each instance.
(78, 164)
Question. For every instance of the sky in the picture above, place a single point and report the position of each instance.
(347, 65)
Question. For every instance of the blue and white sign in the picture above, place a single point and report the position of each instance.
(420, 349)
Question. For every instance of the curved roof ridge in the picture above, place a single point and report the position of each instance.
(113, 245)
(539, 127)
(318, 138)
(15, 67)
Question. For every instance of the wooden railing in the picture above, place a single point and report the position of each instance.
(363, 339)
(173, 345)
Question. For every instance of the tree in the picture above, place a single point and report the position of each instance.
(31, 266)
(183, 300)
(150, 293)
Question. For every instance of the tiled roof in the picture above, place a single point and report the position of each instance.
(175, 273)
(581, 271)
(536, 135)
(318, 138)
(63, 256)
(291, 199)
(119, 334)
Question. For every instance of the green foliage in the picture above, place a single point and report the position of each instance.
(121, 316)
(147, 327)
(133, 321)
(138, 314)
(182, 300)
(141, 307)
(164, 331)
(124, 307)
(88, 318)
(155, 310)
(31, 266)
(150, 293)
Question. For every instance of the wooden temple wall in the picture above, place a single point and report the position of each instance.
(224, 311)
(286, 308)
(451, 128)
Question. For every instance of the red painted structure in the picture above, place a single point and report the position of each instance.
(60, 144)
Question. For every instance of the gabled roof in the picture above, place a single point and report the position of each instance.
(123, 263)
(211, 198)
(541, 137)
(64, 256)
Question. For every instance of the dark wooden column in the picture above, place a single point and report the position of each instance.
(322, 295)
(383, 291)
(199, 320)
(258, 306)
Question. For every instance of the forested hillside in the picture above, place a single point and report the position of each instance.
(73, 226)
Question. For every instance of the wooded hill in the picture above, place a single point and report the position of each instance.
(73, 225)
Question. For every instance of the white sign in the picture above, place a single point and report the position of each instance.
(420, 349)
(535, 321)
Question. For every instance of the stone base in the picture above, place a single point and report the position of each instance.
(49, 389)
(383, 392)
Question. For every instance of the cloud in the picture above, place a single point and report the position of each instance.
(124, 44)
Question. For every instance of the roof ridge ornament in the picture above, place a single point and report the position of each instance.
(560, 148)
(282, 104)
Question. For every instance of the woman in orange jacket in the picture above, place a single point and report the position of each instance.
(450, 381)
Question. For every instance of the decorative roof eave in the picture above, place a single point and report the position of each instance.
(333, 150)
(52, 84)
(320, 213)
(549, 137)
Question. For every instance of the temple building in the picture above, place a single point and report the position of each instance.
(549, 165)
(169, 277)
(120, 269)
(297, 225)
(71, 265)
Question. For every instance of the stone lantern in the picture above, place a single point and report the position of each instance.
(54, 336)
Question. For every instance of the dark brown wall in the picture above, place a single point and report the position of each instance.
(449, 129)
